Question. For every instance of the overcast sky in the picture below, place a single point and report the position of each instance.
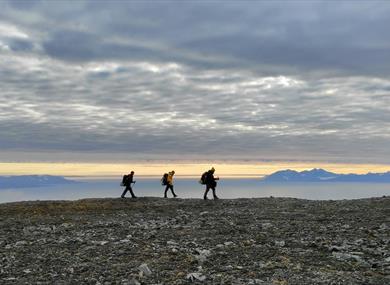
(107, 80)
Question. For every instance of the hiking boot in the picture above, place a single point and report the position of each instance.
(216, 198)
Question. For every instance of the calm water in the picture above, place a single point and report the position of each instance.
(190, 188)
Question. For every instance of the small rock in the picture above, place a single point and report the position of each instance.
(383, 226)
(335, 248)
(133, 282)
(347, 256)
(203, 254)
(195, 276)
(100, 242)
(19, 243)
(144, 269)
(266, 226)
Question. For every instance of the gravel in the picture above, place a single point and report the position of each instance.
(191, 241)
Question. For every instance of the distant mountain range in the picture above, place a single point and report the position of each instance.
(25, 181)
(321, 175)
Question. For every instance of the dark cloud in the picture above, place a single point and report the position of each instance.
(19, 45)
(282, 38)
(82, 46)
(74, 45)
(24, 4)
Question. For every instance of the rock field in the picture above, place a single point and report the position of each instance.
(192, 241)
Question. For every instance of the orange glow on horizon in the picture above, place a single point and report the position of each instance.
(233, 169)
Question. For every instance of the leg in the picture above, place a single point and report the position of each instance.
(166, 190)
(205, 193)
(124, 193)
(131, 192)
(215, 196)
(173, 192)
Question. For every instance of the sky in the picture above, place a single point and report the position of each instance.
(197, 81)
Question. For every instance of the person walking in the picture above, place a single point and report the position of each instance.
(169, 184)
(127, 181)
(211, 183)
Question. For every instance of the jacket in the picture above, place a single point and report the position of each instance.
(170, 178)
(129, 180)
(210, 180)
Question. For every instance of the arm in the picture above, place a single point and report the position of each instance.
(131, 180)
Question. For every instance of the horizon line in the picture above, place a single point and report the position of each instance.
(259, 169)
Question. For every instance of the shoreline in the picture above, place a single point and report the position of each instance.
(151, 198)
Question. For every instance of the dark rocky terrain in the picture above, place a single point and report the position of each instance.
(175, 241)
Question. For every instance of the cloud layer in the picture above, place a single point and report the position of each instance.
(240, 80)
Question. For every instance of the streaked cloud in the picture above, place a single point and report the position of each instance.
(239, 80)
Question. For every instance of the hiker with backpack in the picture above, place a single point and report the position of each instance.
(167, 181)
(209, 180)
(127, 181)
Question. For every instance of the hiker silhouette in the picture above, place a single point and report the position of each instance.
(127, 181)
(211, 183)
(169, 183)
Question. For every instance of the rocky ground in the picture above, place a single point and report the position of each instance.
(183, 241)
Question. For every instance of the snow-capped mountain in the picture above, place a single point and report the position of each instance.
(321, 175)
(24, 181)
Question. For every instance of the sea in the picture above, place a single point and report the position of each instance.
(232, 188)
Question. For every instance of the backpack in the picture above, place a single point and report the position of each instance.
(124, 180)
(164, 179)
(203, 178)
